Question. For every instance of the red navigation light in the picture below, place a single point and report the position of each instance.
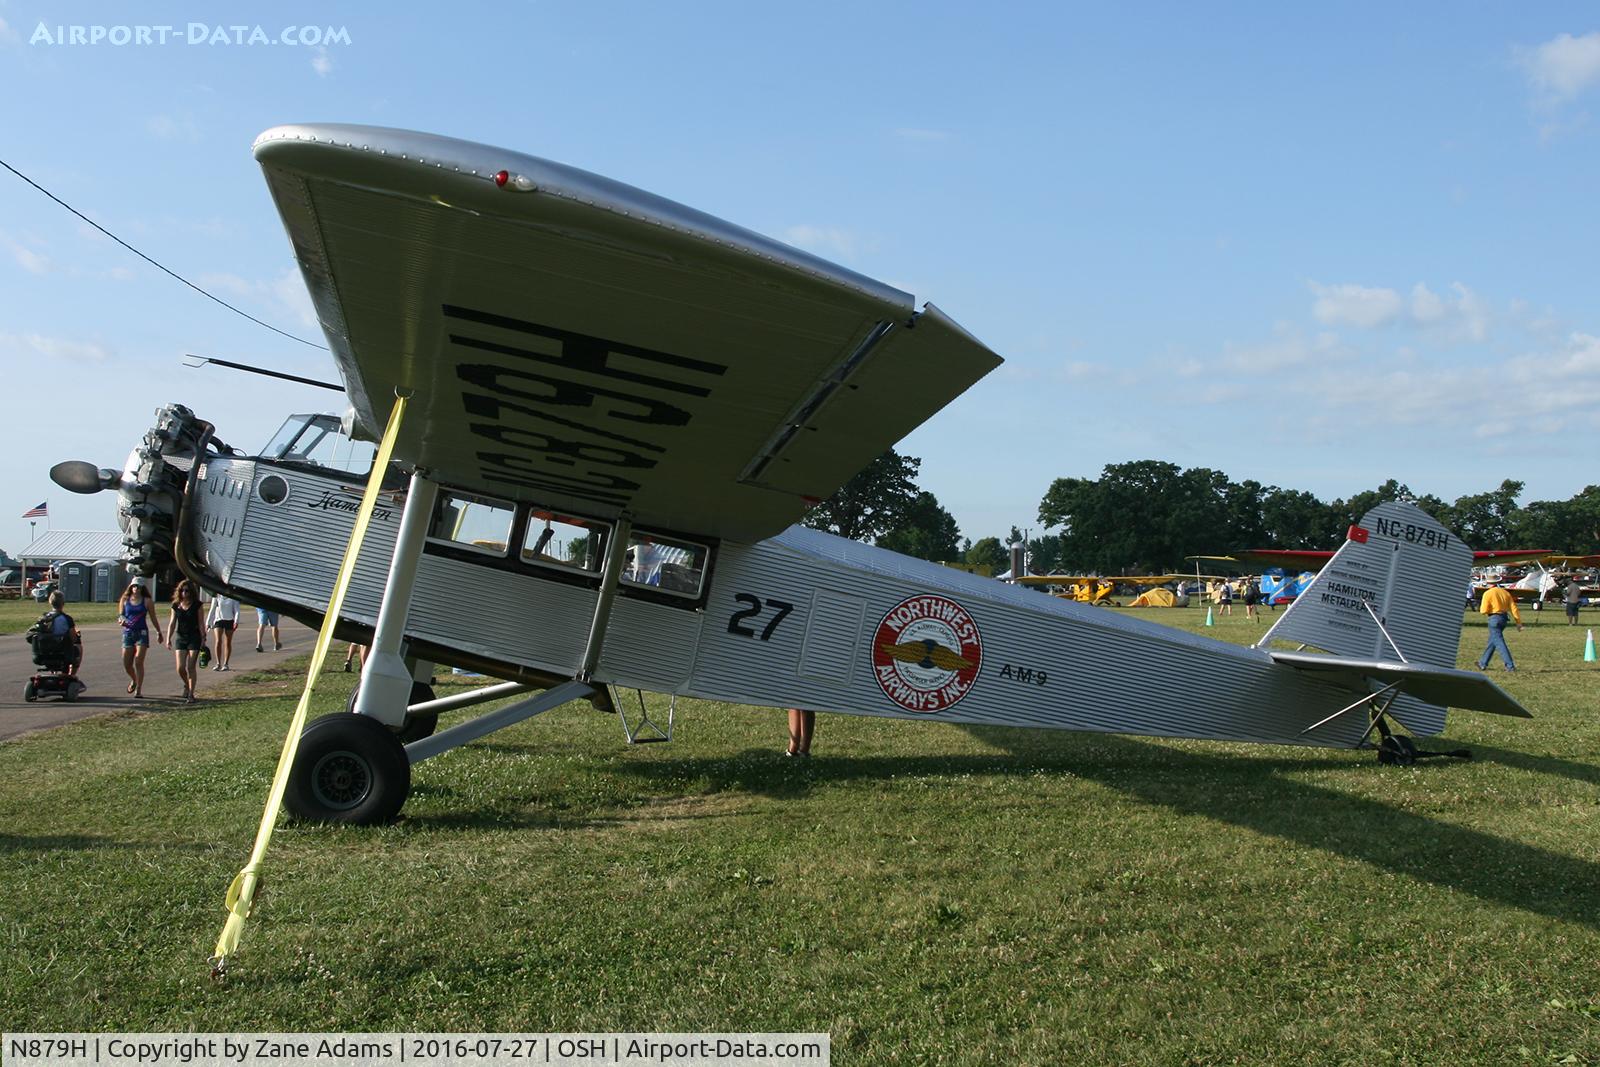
(502, 177)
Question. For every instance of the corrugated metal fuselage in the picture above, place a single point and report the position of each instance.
(803, 619)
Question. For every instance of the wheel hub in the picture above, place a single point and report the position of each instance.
(341, 780)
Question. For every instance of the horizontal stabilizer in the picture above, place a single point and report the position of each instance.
(1444, 686)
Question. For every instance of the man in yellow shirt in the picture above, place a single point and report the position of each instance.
(1499, 605)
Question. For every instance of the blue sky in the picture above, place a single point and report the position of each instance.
(1314, 248)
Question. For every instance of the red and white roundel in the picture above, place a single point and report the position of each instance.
(926, 653)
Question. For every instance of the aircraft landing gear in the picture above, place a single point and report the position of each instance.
(1397, 749)
(1400, 750)
(350, 769)
(417, 726)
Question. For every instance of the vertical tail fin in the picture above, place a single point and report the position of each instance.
(1393, 592)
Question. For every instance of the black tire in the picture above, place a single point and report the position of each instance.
(69, 692)
(416, 727)
(30, 692)
(1397, 750)
(350, 769)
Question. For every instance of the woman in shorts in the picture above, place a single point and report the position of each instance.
(133, 612)
(222, 620)
(183, 636)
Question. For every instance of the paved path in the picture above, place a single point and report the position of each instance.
(108, 684)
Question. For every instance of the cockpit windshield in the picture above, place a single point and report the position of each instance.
(317, 440)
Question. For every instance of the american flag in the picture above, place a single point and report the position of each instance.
(40, 512)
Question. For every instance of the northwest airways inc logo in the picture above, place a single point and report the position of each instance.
(926, 653)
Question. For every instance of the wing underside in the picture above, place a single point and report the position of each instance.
(575, 341)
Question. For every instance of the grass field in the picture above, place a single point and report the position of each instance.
(924, 893)
(17, 615)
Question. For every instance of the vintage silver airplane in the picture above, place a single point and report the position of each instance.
(618, 408)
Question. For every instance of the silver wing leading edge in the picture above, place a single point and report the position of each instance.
(578, 342)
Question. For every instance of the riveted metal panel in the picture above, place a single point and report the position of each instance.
(1044, 662)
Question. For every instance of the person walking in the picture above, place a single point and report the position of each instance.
(1572, 597)
(222, 620)
(1500, 606)
(134, 613)
(268, 620)
(1252, 597)
(183, 636)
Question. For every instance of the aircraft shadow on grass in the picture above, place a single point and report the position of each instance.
(15, 845)
(1251, 792)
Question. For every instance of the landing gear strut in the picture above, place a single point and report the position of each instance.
(417, 725)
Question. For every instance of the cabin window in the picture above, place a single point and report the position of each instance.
(665, 563)
(319, 441)
(562, 541)
(482, 524)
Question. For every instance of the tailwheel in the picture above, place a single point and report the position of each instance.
(416, 727)
(349, 769)
(1397, 749)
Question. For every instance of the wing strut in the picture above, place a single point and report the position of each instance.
(616, 555)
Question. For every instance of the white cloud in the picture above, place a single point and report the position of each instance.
(27, 349)
(1282, 352)
(285, 294)
(290, 292)
(1471, 313)
(168, 128)
(31, 261)
(1426, 306)
(1355, 305)
(825, 240)
(1462, 317)
(321, 62)
(1539, 393)
(1564, 66)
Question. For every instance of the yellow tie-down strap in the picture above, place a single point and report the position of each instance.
(242, 891)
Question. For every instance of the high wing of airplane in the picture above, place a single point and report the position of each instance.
(606, 410)
(607, 351)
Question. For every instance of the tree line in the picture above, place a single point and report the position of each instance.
(1148, 515)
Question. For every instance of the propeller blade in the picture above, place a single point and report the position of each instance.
(78, 476)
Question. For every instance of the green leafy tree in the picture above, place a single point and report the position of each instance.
(988, 552)
(1137, 514)
(1044, 554)
(1570, 527)
(1293, 518)
(877, 500)
(1488, 520)
(926, 531)
(1347, 513)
